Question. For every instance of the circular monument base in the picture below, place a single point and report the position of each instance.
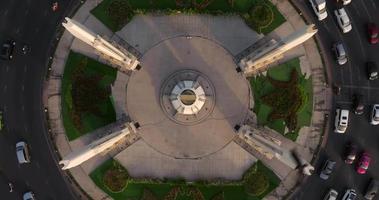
(228, 97)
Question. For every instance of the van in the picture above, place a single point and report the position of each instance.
(341, 120)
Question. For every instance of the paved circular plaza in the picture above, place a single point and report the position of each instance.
(187, 97)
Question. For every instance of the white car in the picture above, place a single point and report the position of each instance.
(331, 195)
(341, 121)
(319, 7)
(350, 194)
(28, 196)
(345, 2)
(22, 152)
(343, 20)
(375, 114)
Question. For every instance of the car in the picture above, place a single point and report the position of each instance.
(327, 169)
(1, 120)
(364, 163)
(375, 114)
(341, 120)
(372, 70)
(7, 50)
(351, 153)
(372, 189)
(22, 152)
(344, 2)
(343, 20)
(340, 53)
(28, 196)
(331, 195)
(350, 194)
(358, 105)
(319, 7)
(373, 32)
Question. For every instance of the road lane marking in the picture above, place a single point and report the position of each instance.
(367, 12)
(25, 68)
(5, 12)
(26, 12)
(360, 87)
(5, 88)
(25, 129)
(36, 30)
(22, 87)
(7, 68)
(23, 108)
(18, 30)
(373, 4)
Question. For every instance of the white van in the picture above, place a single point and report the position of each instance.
(341, 121)
(319, 7)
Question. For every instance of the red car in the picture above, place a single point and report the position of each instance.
(373, 31)
(363, 163)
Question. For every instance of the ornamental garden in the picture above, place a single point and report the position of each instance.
(282, 96)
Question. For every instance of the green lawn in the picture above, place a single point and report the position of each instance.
(135, 188)
(89, 121)
(261, 86)
(170, 7)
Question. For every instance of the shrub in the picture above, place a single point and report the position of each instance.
(148, 195)
(116, 178)
(257, 183)
(259, 16)
(120, 12)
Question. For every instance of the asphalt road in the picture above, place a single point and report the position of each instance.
(352, 77)
(21, 81)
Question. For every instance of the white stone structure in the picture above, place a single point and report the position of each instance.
(111, 52)
(268, 146)
(272, 51)
(188, 97)
(101, 145)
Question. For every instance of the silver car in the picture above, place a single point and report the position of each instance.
(375, 114)
(327, 169)
(340, 53)
(331, 195)
(343, 20)
(22, 152)
(28, 196)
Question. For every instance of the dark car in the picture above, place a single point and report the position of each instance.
(351, 153)
(372, 70)
(373, 31)
(372, 189)
(327, 169)
(7, 50)
(358, 105)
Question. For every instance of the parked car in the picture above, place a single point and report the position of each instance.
(350, 194)
(340, 53)
(343, 20)
(375, 114)
(341, 120)
(22, 152)
(7, 50)
(331, 195)
(373, 31)
(372, 189)
(28, 196)
(1, 120)
(358, 105)
(351, 153)
(327, 169)
(319, 7)
(372, 70)
(345, 2)
(364, 163)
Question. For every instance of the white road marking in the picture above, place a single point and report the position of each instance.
(25, 129)
(22, 87)
(36, 30)
(372, 3)
(26, 12)
(7, 68)
(359, 14)
(5, 13)
(5, 108)
(23, 108)
(25, 68)
(17, 30)
(360, 87)
(5, 88)
(367, 12)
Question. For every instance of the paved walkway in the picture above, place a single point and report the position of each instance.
(311, 64)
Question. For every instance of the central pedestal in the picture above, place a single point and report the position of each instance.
(187, 97)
